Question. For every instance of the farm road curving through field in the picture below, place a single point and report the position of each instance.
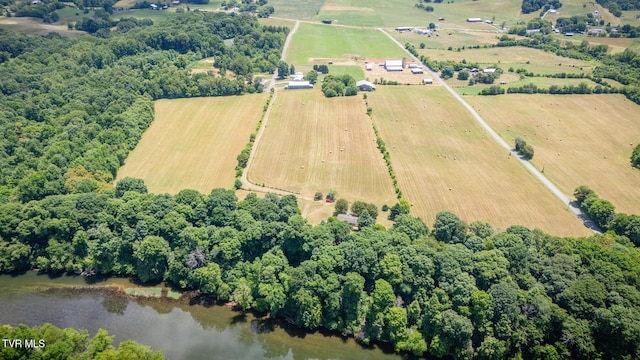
(543, 179)
(246, 183)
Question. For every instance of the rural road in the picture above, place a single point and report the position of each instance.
(246, 183)
(543, 179)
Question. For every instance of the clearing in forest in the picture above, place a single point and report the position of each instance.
(445, 161)
(194, 143)
(312, 143)
(578, 139)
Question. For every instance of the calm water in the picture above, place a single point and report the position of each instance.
(180, 330)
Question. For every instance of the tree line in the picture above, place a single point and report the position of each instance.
(450, 289)
(52, 342)
(603, 214)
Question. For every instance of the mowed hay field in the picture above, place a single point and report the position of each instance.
(194, 143)
(304, 128)
(590, 139)
(445, 161)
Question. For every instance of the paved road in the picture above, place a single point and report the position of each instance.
(246, 183)
(543, 179)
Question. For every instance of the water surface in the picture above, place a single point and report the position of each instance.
(181, 330)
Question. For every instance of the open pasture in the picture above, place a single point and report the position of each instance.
(193, 143)
(34, 26)
(616, 45)
(312, 143)
(333, 42)
(534, 60)
(578, 139)
(441, 40)
(299, 9)
(445, 161)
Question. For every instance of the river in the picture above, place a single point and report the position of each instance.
(179, 329)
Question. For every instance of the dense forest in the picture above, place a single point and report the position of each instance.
(72, 109)
(447, 289)
(52, 342)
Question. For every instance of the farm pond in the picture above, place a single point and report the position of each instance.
(182, 329)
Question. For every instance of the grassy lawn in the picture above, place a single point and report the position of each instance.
(35, 26)
(193, 143)
(578, 139)
(299, 9)
(394, 13)
(312, 143)
(146, 292)
(330, 42)
(445, 161)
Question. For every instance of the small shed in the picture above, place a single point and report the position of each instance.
(365, 85)
(427, 81)
(368, 66)
(474, 20)
(489, 70)
(351, 219)
(299, 85)
(417, 71)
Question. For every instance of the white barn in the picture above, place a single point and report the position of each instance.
(365, 85)
(299, 85)
(394, 65)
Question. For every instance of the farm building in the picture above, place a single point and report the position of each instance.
(404, 28)
(414, 65)
(365, 85)
(417, 70)
(394, 65)
(489, 70)
(368, 66)
(297, 76)
(474, 20)
(427, 81)
(424, 32)
(351, 219)
(299, 85)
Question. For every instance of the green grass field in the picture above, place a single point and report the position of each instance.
(393, 13)
(299, 9)
(332, 42)
(534, 60)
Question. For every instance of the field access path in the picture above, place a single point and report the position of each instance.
(246, 183)
(539, 175)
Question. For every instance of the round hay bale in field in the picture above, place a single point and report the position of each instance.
(302, 167)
